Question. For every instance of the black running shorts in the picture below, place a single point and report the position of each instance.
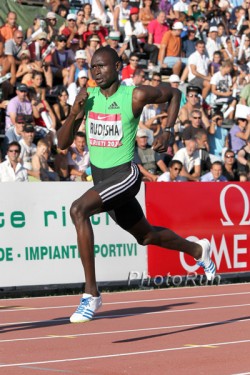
(117, 188)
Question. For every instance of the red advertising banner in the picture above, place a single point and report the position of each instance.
(217, 211)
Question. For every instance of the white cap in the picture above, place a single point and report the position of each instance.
(82, 74)
(81, 54)
(177, 26)
(213, 29)
(141, 133)
(51, 15)
(224, 4)
(174, 78)
(71, 16)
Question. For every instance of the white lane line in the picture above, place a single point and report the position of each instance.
(127, 315)
(178, 290)
(19, 308)
(204, 324)
(125, 354)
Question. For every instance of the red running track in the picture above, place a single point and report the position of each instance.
(193, 330)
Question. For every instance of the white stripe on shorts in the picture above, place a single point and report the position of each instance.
(122, 186)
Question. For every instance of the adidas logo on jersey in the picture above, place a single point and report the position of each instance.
(114, 105)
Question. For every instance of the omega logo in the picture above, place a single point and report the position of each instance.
(228, 221)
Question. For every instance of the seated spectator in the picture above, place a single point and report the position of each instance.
(215, 174)
(243, 157)
(7, 67)
(230, 166)
(50, 28)
(28, 149)
(41, 52)
(222, 87)
(212, 44)
(61, 108)
(27, 68)
(13, 47)
(189, 42)
(137, 79)
(218, 136)
(137, 35)
(173, 175)
(74, 87)
(198, 74)
(42, 111)
(167, 8)
(147, 159)
(78, 158)
(189, 157)
(93, 43)
(129, 70)
(206, 159)
(190, 131)
(19, 104)
(149, 116)
(94, 28)
(78, 65)
(157, 28)
(11, 169)
(61, 164)
(170, 53)
(8, 29)
(14, 133)
(192, 103)
(215, 65)
(239, 133)
(146, 12)
(229, 52)
(38, 23)
(71, 32)
(113, 41)
(174, 81)
(245, 95)
(121, 16)
(62, 58)
(40, 162)
(36, 84)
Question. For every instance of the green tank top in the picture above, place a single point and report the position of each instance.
(110, 127)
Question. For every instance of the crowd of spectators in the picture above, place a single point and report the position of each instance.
(201, 47)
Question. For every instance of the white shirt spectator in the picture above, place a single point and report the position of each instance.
(211, 47)
(165, 177)
(188, 161)
(26, 154)
(200, 61)
(7, 173)
(181, 6)
(80, 162)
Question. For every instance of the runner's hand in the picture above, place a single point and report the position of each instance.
(79, 101)
(163, 141)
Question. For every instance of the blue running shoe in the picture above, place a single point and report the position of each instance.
(86, 309)
(205, 261)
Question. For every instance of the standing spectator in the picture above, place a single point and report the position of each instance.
(157, 28)
(229, 169)
(78, 158)
(28, 149)
(19, 104)
(189, 157)
(239, 133)
(218, 136)
(146, 158)
(215, 174)
(170, 51)
(198, 69)
(8, 29)
(173, 175)
(11, 169)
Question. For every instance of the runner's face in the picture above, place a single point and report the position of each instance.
(104, 70)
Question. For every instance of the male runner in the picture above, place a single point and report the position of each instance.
(112, 114)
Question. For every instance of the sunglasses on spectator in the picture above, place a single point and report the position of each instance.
(19, 37)
(177, 169)
(193, 95)
(16, 151)
(197, 118)
(42, 39)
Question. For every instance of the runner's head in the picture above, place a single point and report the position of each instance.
(105, 66)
